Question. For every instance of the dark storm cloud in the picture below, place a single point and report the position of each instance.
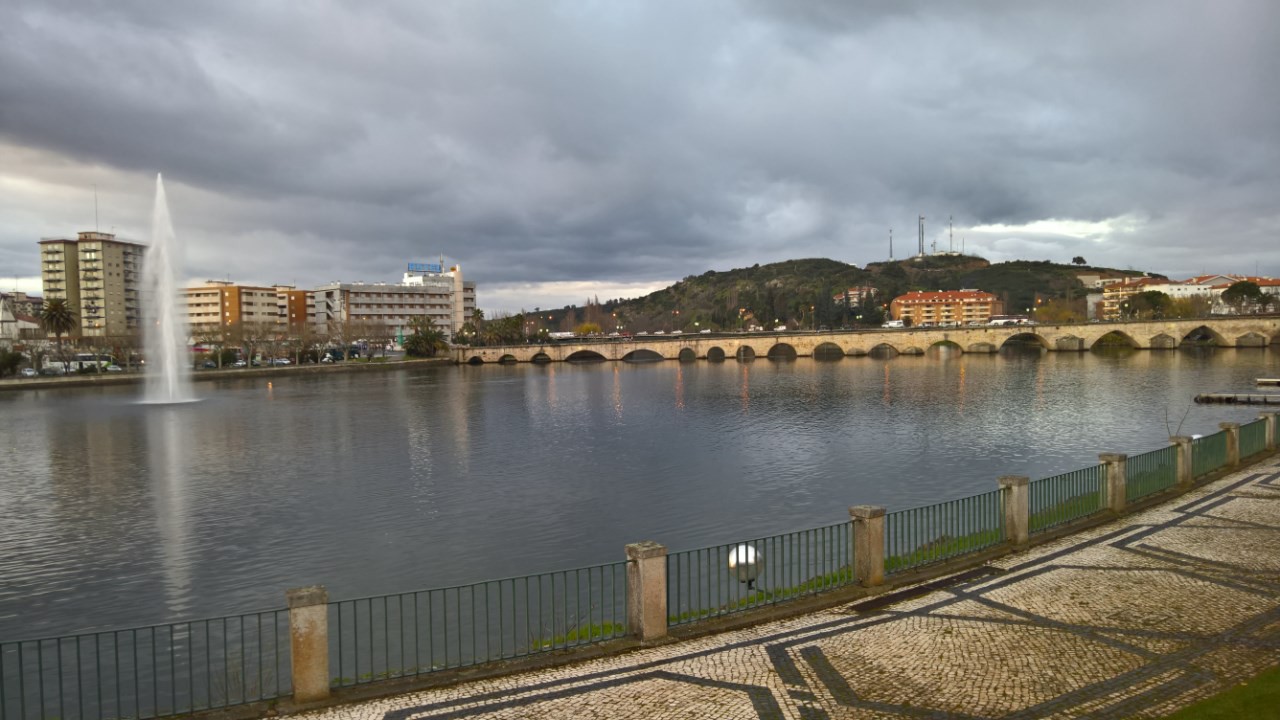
(648, 141)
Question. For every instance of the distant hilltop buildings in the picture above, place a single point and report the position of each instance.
(99, 277)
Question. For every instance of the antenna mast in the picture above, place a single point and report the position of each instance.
(921, 236)
(951, 236)
(95, 207)
(890, 243)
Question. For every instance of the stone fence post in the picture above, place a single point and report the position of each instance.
(868, 544)
(1270, 417)
(1114, 487)
(1233, 442)
(647, 590)
(1185, 468)
(309, 642)
(1017, 508)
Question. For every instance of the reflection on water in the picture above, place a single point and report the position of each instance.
(116, 514)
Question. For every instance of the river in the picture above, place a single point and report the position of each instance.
(116, 514)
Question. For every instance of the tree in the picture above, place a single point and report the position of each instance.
(9, 362)
(426, 339)
(341, 333)
(1243, 294)
(1061, 311)
(58, 318)
(587, 328)
(1148, 305)
(1078, 260)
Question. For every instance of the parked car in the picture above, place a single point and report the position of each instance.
(239, 364)
(29, 372)
(209, 365)
(114, 368)
(281, 361)
(53, 370)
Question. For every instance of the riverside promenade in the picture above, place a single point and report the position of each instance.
(1135, 618)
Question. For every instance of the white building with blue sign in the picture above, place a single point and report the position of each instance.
(425, 289)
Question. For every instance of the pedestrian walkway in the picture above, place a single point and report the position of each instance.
(1136, 618)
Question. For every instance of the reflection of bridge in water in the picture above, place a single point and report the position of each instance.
(1240, 332)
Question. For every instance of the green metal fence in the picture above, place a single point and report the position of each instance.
(1150, 472)
(1253, 438)
(926, 535)
(147, 672)
(414, 633)
(1064, 498)
(1208, 453)
(725, 579)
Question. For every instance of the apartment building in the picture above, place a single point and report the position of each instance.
(946, 308)
(99, 278)
(218, 305)
(425, 290)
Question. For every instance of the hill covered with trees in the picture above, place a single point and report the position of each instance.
(799, 293)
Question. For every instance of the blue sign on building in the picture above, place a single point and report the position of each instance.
(425, 267)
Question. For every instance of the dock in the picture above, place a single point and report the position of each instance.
(1240, 398)
(1269, 381)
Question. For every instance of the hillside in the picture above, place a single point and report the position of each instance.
(799, 293)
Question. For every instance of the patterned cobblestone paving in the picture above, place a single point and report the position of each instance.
(1133, 619)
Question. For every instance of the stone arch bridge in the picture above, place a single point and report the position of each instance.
(1235, 331)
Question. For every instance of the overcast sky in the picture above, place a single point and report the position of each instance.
(563, 149)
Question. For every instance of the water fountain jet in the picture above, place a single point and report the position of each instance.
(168, 377)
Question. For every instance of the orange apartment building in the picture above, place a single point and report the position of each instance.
(947, 308)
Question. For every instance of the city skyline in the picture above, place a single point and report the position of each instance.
(560, 153)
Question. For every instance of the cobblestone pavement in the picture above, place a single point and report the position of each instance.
(1133, 619)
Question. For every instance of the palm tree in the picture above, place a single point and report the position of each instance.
(58, 318)
(426, 340)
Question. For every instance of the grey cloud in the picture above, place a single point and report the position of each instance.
(641, 141)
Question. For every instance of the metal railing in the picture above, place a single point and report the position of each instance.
(725, 579)
(413, 633)
(1064, 498)
(925, 535)
(1150, 472)
(1208, 453)
(1253, 438)
(147, 672)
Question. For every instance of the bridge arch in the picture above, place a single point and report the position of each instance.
(540, 358)
(507, 359)
(687, 355)
(745, 353)
(715, 354)
(1162, 341)
(883, 351)
(944, 346)
(1115, 338)
(782, 351)
(827, 351)
(475, 360)
(642, 355)
(1025, 339)
(982, 347)
(1204, 336)
(585, 356)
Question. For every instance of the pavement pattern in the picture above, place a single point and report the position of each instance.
(1136, 618)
